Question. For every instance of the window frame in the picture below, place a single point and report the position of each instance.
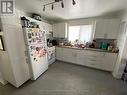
(92, 34)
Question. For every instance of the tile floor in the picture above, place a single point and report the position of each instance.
(68, 79)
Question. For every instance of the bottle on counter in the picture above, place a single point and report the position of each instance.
(104, 45)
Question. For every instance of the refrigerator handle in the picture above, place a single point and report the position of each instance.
(27, 60)
(26, 53)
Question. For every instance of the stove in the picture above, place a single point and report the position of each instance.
(51, 55)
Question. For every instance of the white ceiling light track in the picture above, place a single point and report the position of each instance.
(57, 1)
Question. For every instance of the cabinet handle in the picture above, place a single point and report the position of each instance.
(92, 64)
(27, 61)
(105, 35)
(93, 56)
(93, 60)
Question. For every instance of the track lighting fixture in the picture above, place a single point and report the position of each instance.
(73, 2)
(62, 4)
(56, 1)
(52, 7)
(44, 8)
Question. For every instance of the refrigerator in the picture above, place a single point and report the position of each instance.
(36, 51)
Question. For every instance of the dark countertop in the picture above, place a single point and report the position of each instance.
(90, 49)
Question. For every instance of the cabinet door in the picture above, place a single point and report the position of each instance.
(48, 28)
(81, 57)
(59, 53)
(93, 59)
(109, 61)
(69, 55)
(112, 28)
(62, 30)
(55, 30)
(107, 29)
(99, 31)
(41, 25)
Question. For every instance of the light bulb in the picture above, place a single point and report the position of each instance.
(52, 7)
(62, 4)
(73, 2)
(44, 8)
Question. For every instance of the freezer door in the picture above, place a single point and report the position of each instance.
(34, 36)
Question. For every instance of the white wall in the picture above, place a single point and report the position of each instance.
(4, 60)
(81, 21)
(122, 56)
(1, 79)
(90, 20)
(122, 44)
(7, 72)
(123, 16)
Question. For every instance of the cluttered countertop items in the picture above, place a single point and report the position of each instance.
(93, 46)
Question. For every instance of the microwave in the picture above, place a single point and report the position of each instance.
(1, 43)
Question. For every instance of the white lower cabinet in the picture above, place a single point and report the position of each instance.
(69, 55)
(59, 53)
(94, 59)
(109, 61)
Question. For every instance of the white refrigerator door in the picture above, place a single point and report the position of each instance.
(38, 66)
(36, 46)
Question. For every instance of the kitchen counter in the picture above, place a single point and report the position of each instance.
(90, 49)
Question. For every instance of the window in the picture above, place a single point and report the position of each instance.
(83, 33)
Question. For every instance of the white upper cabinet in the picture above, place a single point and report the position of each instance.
(107, 28)
(47, 27)
(60, 30)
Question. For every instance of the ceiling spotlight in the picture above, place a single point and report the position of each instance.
(44, 8)
(73, 2)
(52, 7)
(56, 1)
(62, 4)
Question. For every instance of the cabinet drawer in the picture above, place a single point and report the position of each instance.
(99, 64)
(59, 53)
(93, 53)
(92, 58)
(94, 64)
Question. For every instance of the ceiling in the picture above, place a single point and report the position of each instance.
(82, 9)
